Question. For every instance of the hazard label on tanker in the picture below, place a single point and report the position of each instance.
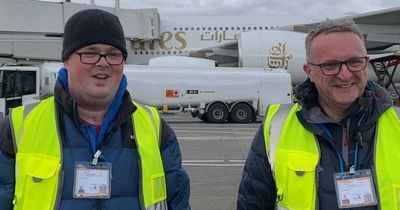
(172, 93)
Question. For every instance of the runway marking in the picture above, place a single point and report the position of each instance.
(202, 161)
(215, 163)
(213, 138)
(222, 132)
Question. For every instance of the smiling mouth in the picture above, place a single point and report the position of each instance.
(100, 76)
(345, 85)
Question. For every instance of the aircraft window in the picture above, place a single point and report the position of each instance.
(175, 29)
(226, 28)
(249, 28)
(180, 29)
(163, 52)
(169, 52)
(192, 28)
(209, 28)
(238, 28)
(174, 52)
(255, 28)
(260, 27)
(204, 28)
(244, 28)
(197, 28)
(215, 28)
(158, 52)
(141, 52)
(147, 52)
(232, 28)
(152, 52)
(220, 28)
(186, 29)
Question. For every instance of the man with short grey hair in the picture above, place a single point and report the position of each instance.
(337, 148)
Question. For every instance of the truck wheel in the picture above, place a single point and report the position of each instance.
(217, 113)
(241, 113)
(204, 118)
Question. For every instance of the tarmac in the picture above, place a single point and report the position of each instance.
(214, 156)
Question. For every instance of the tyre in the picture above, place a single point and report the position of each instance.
(204, 118)
(241, 113)
(217, 113)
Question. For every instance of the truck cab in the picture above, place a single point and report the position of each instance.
(19, 85)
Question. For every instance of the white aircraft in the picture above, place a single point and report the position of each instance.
(272, 42)
(267, 42)
(186, 36)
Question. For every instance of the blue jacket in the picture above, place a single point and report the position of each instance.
(117, 147)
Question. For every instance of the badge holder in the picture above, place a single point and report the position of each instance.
(355, 188)
(92, 179)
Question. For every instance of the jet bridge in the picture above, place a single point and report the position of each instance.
(32, 30)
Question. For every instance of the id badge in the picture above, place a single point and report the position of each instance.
(92, 181)
(355, 189)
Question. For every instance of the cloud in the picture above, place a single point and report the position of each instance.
(306, 8)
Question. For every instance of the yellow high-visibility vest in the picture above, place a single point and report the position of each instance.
(293, 154)
(39, 157)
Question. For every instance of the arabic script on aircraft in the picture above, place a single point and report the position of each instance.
(277, 56)
(217, 36)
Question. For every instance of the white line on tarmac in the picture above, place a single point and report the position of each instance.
(237, 161)
(207, 138)
(202, 161)
(215, 164)
(223, 132)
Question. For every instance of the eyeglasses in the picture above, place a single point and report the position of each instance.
(334, 67)
(112, 59)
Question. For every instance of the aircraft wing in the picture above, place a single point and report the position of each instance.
(381, 28)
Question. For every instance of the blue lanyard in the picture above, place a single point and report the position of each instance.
(94, 142)
(342, 160)
(92, 138)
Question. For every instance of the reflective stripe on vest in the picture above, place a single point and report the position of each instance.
(295, 173)
(39, 158)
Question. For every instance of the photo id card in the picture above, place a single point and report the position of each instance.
(92, 181)
(355, 190)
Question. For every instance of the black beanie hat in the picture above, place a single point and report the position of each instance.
(92, 26)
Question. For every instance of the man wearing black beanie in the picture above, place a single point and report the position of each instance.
(90, 146)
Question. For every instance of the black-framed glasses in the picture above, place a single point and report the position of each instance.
(334, 67)
(112, 59)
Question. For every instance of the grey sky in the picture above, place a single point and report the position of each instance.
(309, 8)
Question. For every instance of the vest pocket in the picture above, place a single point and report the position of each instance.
(37, 181)
(300, 181)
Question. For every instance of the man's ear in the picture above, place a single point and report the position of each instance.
(307, 69)
(66, 63)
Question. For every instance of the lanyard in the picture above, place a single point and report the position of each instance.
(353, 167)
(94, 144)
